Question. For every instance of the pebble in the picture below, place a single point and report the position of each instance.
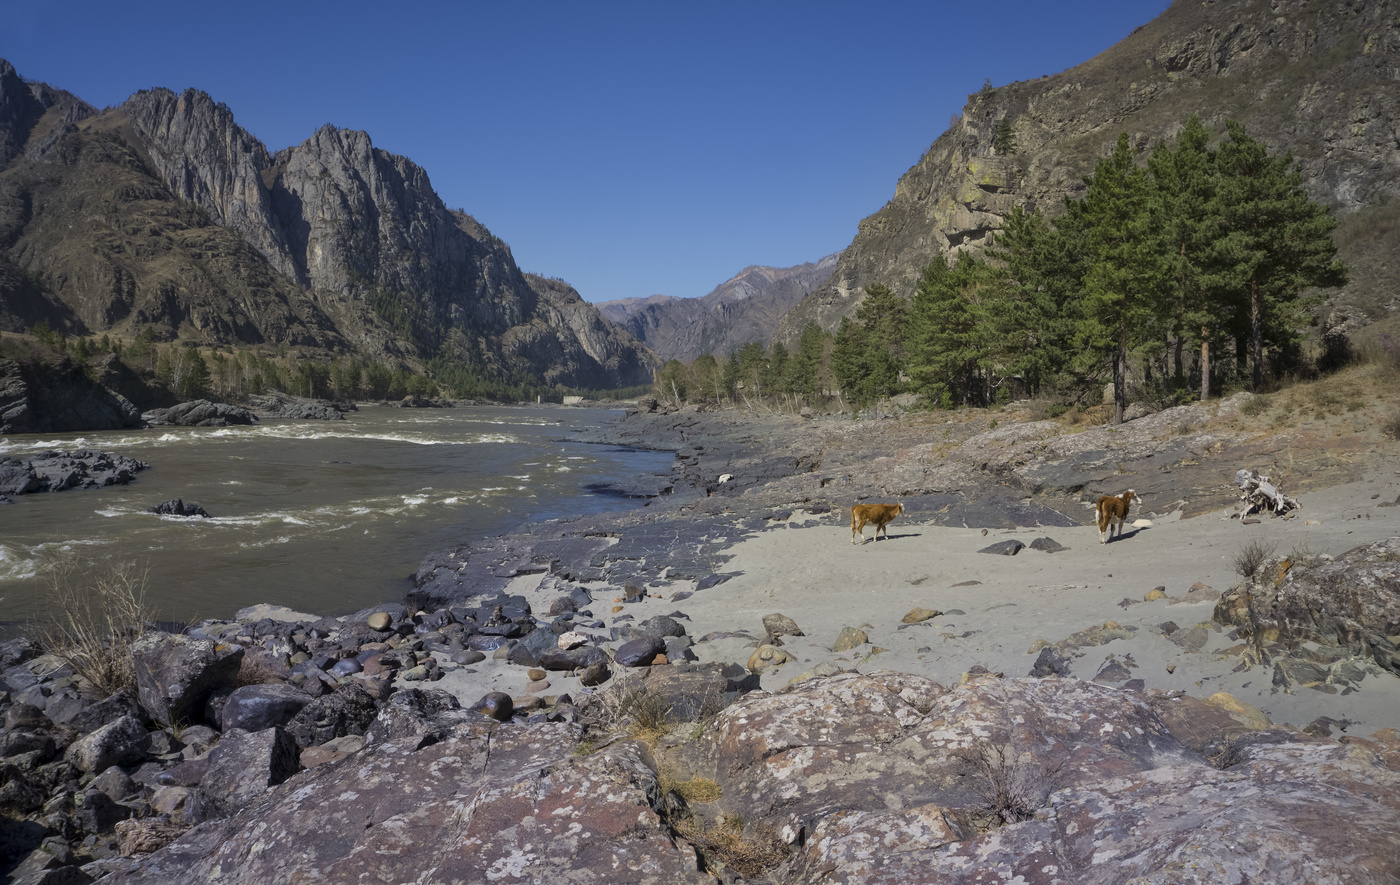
(597, 674)
(849, 638)
(1155, 594)
(919, 615)
(536, 675)
(498, 705)
(379, 621)
(766, 655)
(536, 687)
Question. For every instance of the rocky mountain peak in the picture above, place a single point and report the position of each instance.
(1316, 79)
(746, 307)
(331, 244)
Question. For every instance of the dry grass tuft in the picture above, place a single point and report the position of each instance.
(696, 789)
(1251, 557)
(749, 855)
(257, 670)
(93, 615)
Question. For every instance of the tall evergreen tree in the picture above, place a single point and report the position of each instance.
(1123, 281)
(805, 368)
(1277, 242)
(1038, 308)
(777, 374)
(947, 345)
(1187, 185)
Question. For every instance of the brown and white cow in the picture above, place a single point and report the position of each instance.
(880, 515)
(1112, 510)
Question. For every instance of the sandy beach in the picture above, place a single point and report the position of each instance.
(997, 610)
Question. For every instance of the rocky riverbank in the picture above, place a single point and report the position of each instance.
(719, 686)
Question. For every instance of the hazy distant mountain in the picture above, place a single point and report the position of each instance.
(745, 308)
(164, 213)
(1317, 79)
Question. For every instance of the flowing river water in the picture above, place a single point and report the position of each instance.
(322, 516)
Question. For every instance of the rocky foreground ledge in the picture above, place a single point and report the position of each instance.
(277, 746)
(875, 777)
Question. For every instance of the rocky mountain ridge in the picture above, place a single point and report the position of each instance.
(747, 307)
(1316, 79)
(164, 212)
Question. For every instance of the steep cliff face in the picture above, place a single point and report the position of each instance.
(1314, 78)
(584, 348)
(206, 158)
(91, 230)
(165, 212)
(747, 307)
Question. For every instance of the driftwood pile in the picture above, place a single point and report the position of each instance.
(1259, 493)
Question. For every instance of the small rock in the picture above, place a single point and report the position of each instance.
(1047, 545)
(919, 615)
(498, 705)
(595, 674)
(379, 621)
(849, 638)
(571, 640)
(536, 687)
(1004, 548)
(767, 655)
(1155, 594)
(781, 625)
(640, 652)
(536, 675)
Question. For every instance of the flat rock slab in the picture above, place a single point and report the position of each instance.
(1004, 548)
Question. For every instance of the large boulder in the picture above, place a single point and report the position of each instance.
(117, 743)
(59, 471)
(427, 714)
(200, 413)
(281, 405)
(490, 801)
(347, 710)
(889, 777)
(242, 768)
(1351, 602)
(176, 674)
(256, 707)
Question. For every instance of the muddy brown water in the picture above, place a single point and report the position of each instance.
(322, 516)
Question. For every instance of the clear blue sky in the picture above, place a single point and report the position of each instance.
(628, 148)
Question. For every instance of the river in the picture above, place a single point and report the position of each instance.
(321, 516)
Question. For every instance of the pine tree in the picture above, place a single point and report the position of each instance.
(946, 334)
(1277, 242)
(190, 373)
(1187, 184)
(777, 375)
(1122, 284)
(1037, 310)
(805, 368)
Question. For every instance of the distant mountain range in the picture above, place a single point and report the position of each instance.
(163, 213)
(1321, 80)
(745, 308)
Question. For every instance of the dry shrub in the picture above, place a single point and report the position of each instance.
(1391, 426)
(94, 612)
(146, 835)
(1011, 790)
(646, 713)
(748, 855)
(1256, 406)
(258, 670)
(1251, 557)
(627, 706)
